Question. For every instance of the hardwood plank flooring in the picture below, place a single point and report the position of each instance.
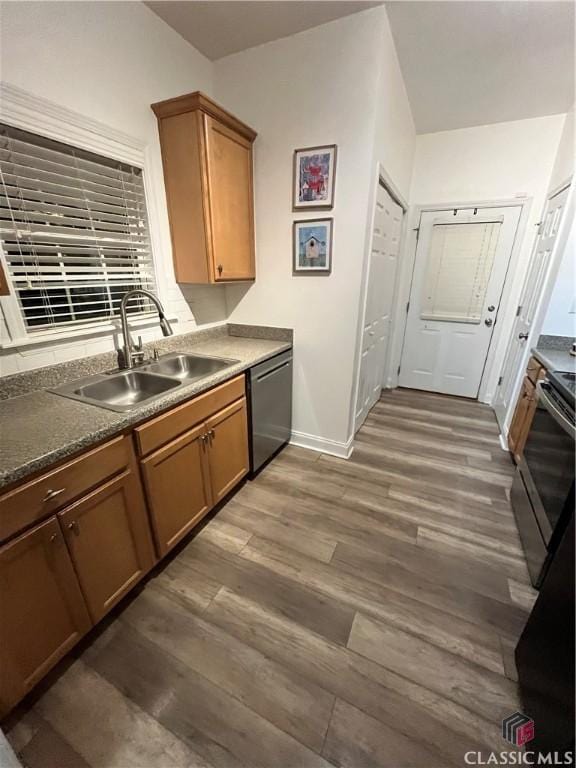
(354, 613)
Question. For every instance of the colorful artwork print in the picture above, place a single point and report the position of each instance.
(314, 170)
(313, 246)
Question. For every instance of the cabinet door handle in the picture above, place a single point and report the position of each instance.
(74, 527)
(211, 434)
(219, 268)
(204, 438)
(54, 538)
(52, 494)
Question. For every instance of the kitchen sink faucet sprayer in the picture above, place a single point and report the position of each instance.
(133, 352)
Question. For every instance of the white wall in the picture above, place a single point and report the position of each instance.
(321, 86)
(395, 133)
(560, 318)
(109, 62)
(566, 155)
(488, 162)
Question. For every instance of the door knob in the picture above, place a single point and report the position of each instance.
(523, 336)
(488, 322)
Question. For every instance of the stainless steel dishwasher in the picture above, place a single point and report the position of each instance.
(270, 408)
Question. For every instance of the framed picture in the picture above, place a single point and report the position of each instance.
(314, 177)
(312, 246)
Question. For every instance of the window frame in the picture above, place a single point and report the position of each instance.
(21, 109)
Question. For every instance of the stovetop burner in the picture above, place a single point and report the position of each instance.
(564, 382)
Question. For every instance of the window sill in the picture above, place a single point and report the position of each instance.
(66, 336)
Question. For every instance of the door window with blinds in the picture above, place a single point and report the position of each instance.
(73, 230)
(458, 270)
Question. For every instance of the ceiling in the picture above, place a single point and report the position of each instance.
(218, 28)
(471, 63)
(465, 62)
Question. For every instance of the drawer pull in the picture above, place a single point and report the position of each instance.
(52, 494)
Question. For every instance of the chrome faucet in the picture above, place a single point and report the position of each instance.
(133, 353)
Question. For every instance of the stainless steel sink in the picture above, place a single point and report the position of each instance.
(187, 367)
(124, 390)
(119, 392)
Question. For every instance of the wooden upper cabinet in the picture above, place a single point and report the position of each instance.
(207, 159)
(42, 611)
(108, 536)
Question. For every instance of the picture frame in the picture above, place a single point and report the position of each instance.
(314, 178)
(312, 246)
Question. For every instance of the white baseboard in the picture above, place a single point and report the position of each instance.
(322, 445)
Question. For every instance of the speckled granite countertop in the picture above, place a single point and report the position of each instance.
(41, 428)
(555, 359)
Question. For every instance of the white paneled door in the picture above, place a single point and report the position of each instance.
(514, 361)
(461, 261)
(380, 286)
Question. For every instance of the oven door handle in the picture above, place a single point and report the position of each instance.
(555, 412)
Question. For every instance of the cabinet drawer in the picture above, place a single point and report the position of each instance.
(162, 429)
(533, 370)
(46, 494)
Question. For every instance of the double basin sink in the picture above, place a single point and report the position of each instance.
(122, 391)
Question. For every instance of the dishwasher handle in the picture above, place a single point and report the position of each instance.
(268, 373)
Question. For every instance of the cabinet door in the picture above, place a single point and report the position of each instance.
(230, 198)
(177, 483)
(42, 610)
(523, 413)
(108, 536)
(228, 448)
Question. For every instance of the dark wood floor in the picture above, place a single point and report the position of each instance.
(356, 613)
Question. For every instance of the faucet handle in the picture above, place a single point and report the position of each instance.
(138, 347)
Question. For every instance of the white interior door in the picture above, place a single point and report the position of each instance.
(459, 272)
(514, 361)
(381, 282)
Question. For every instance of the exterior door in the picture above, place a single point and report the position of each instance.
(518, 347)
(461, 261)
(229, 160)
(379, 301)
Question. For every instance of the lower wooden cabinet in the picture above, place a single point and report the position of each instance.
(42, 611)
(178, 487)
(109, 540)
(189, 475)
(227, 448)
(62, 576)
(525, 408)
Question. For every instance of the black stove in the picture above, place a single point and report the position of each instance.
(564, 383)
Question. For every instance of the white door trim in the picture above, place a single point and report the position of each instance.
(510, 292)
(380, 176)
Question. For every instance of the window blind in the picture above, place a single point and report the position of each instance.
(74, 231)
(459, 266)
